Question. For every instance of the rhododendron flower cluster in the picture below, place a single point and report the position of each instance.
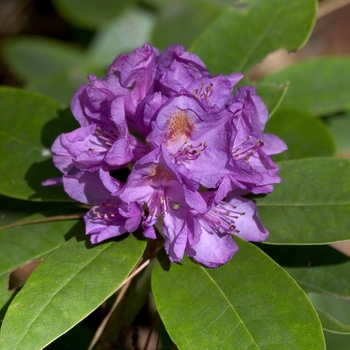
(191, 149)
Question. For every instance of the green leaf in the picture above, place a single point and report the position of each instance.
(330, 323)
(340, 128)
(336, 341)
(182, 21)
(122, 35)
(66, 287)
(28, 129)
(89, 14)
(303, 255)
(324, 279)
(249, 302)
(22, 244)
(272, 95)
(50, 67)
(246, 32)
(31, 57)
(305, 135)
(333, 313)
(320, 86)
(62, 85)
(312, 205)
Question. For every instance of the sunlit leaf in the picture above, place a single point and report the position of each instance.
(305, 135)
(320, 86)
(245, 32)
(182, 21)
(249, 302)
(66, 287)
(312, 205)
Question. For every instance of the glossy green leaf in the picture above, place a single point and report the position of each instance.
(247, 31)
(272, 95)
(312, 205)
(320, 86)
(62, 85)
(122, 35)
(334, 313)
(182, 21)
(330, 323)
(21, 244)
(332, 280)
(66, 287)
(32, 57)
(29, 123)
(90, 14)
(50, 67)
(249, 302)
(340, 128)
(305, 135)
(336, 341)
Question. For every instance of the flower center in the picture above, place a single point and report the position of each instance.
(179, 128)
(160, 202)
(158, 174)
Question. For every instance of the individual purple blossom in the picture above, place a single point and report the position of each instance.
(211, 240)
(178, 68)
(136, 74)
(250, 165)
(180, 71)
(154, 182)
(105, 142)
(112, 219)
(196, 141)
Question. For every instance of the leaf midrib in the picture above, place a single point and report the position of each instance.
(230, 305)
(61, 287)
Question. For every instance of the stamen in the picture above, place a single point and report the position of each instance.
(106, 139)
(189, 152)
(204, 93)
(241, 153)
(222, 219)
(105, 212)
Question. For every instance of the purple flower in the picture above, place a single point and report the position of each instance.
(136, 73)
(250, 165)
(178, 68)
(106, 141)
(191, 147)
(111, 219)
(195, 140)
(154, 182)
(183, 72)
(210, 240)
